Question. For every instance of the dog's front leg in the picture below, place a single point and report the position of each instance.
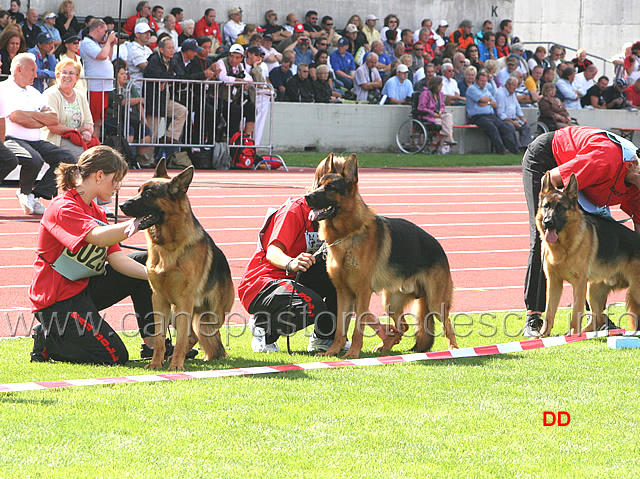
(342, 322)
(554, 292)
(162, 313)
(363, 317)
(579, 299)
(182, 323)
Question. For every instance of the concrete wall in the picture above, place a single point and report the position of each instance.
(345, 128)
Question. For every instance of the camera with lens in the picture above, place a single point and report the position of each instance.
(239, 75)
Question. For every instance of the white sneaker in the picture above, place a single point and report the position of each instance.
(318, 345)
(258, 342)
(26, 201)
(38, 208)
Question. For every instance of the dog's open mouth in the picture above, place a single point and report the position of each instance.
(551, 236)
(322, 214)
(148, 221)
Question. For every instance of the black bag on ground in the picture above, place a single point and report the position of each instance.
(217, 157)
(122, 145)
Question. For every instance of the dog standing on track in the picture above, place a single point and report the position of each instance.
(189, 274)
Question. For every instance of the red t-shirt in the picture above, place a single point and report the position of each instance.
(202, 28)
(66, 222)
(633, 95)
(597, 163)
(288, 226)
(130, 24)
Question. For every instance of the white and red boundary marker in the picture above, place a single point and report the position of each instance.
(405, 358)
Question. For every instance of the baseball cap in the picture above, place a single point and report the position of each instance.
(299, 28)
(621, 83)
(259, 29)
(235, 48)
(71, 37)
(371, 17)
(50, 15)
(402, 68)
(466, 23)
(142, 27)
(234, 10)
(191, 44)
(267, 35)
(351, 28)
(443, 23)
(513, 60)
(255, 50)
(44, 37)
(343, 42)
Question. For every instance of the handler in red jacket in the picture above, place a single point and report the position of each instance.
(607, 170)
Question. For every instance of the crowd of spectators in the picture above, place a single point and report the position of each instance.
(305, 60)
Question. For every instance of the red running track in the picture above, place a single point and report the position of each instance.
(478, 214)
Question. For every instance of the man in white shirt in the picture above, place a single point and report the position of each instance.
(139, 53)
(23, 111)
(509, 111)
(367, 79)
(234, 26)
(585, 80)
(450, 88)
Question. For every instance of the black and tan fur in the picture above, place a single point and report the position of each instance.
(369, 253)
(189, 275)
(593, 254)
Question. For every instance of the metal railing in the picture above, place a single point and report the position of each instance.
(602, 63)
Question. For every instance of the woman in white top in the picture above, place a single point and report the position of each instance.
(170, 28)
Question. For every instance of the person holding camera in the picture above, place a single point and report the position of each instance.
(96, 51)
(510, 112)
(235, 107)
(632, 61)
(305, 52)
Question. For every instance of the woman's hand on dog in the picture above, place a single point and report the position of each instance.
(302, 262)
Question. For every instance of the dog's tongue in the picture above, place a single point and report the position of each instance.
(313, 214)
(132, 228)
(551, 236)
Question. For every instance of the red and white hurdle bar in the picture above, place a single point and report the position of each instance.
(405, 358)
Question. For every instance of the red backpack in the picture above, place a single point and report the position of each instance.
(243, 151)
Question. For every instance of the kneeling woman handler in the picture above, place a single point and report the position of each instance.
(80, 269)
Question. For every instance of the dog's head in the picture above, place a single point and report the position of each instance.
(556, 207)
(158, 196)
(336, 180)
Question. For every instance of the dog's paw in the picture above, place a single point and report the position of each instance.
(153, 365)
(352, 354)
(380, 347)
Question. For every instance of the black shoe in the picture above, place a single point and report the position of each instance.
(533, 325)
(608, 324)
(147, 353)
(39, 352)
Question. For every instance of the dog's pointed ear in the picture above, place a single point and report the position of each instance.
(179, 185)
(350, 170)
(330, 164)
(571, 190)
(546, 186)
(161, 169)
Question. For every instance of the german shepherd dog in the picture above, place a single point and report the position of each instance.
(189, 275)
(595, 255)
(369, 253)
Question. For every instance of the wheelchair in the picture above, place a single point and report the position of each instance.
(415, 136)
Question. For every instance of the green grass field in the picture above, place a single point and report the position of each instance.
(465, 418)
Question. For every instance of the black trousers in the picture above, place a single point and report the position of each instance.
(8, 161)
(37, 153)
(537, 160)
(314, 302)
(75, 331)
(501, 133)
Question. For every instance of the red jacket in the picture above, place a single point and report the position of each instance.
(204, 29)
(131, 23)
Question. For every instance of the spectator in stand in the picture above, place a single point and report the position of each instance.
(487, 47)
(143, 10)
(11, 43)
(23, 111)
(632, 61)
(421, 78)
(384, 61)
(398, 53)
(450, 88)
(250, 29)
(70, 49)
(506, 27)
(487, 26)
(96, 51)
(532, 83)
(585, 80)
(425, 23)
(470, 74)
(502, 46)
(391, 22)
(259, 93)
(555, 52)
(632, 93)
(581, 62)
(370, 31)
(332, 36)
(272, 57)
(14, 9)
(512, 66)
(431, 108)
(188, 30)
(406, 37)
(299, 31)
(111, 23)
(45, 60)
(426, 40)
(30, 28)
(157, 12)
(49, 26)
(517, 50)
(181, 60)
(311, 26)
(458, 61)
(490, 66)
(234, 26)
(390, 43)
(361, 38)
(417, 57)
(158, 96)
(299, 88)
(538, 58)
(343, 64)
(548, 76)
(398, 88)
(569, 94)
(594, 98)
(232, 71)
(4, 19)
(303, 49)
(178, 13)
(462, 36)
(281, 75)
(367, 81)
(481, 105)
(510, 112)
(614, 96)
(72, 109)
(473, 55)
(618, 60)
(440, 35)
(169, 27)
(322, 89)
(277, 32)
(356, 47)
(291, 22)
(404, 60)
(552, 111)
